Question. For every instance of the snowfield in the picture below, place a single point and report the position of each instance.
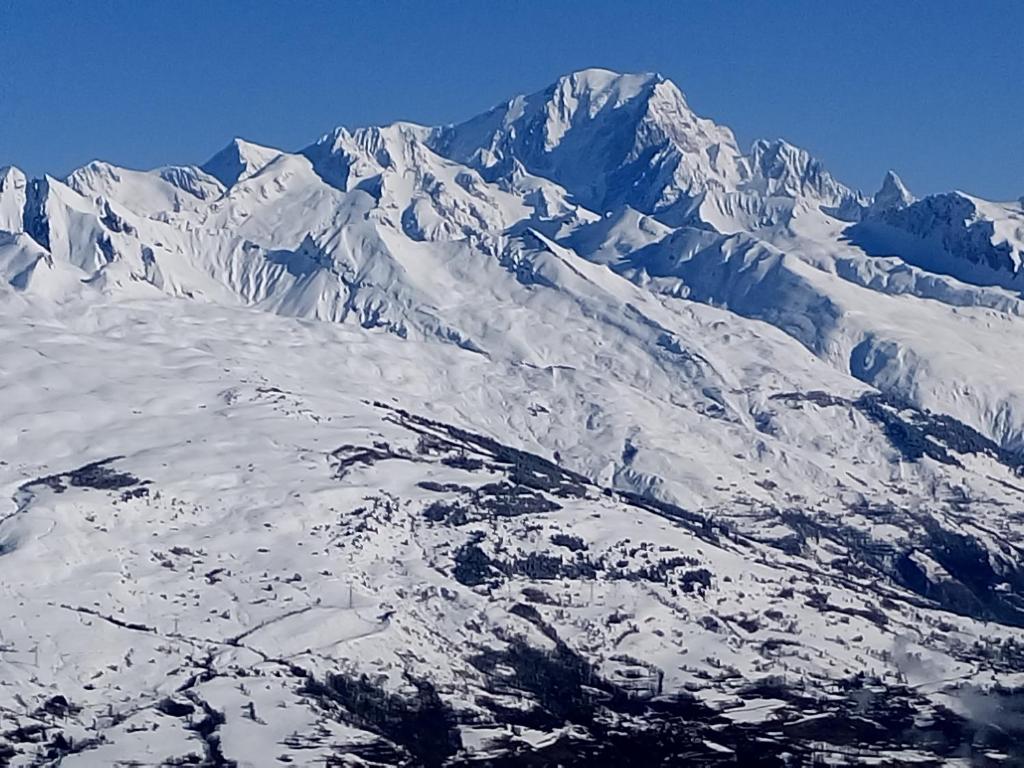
(570, 433)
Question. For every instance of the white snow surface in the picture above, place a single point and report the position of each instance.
(269, 349)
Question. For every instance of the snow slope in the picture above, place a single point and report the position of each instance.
(255, 539)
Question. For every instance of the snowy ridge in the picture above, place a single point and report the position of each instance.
(570, 430)
(238, 161)
(974, 240)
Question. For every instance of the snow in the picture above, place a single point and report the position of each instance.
(239, 161)
(892, 194)
(147, 193)
(12, 198)
(591, 273)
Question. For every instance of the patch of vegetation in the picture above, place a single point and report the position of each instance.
(98, 475)
(423, 725)
(570, 542)
(472, 566)
(916, 432)
(524, 468)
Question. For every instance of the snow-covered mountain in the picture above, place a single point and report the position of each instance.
(572, 431)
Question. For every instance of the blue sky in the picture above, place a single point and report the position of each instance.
(934, 89)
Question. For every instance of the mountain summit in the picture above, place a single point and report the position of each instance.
(238, 161)
(614, 140)
(893, 194)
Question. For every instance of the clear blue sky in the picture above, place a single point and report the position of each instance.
(934, 89)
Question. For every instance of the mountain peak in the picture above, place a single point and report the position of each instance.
(12, 197)
(603, 75)
(11, 176)
(583, 94)
(893, 194)
(344, 155)
(604, 81)
(789, 170)
(239, 160)
(596, 132)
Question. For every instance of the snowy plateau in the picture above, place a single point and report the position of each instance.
(572, 434)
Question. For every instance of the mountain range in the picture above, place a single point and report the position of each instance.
(570, 432)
